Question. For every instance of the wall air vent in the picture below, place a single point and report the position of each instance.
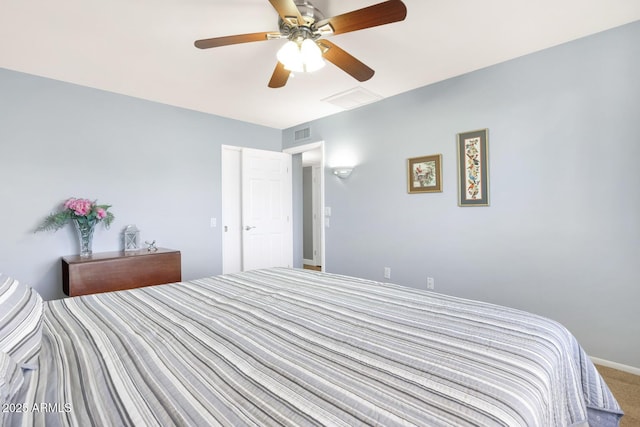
(353, 98)
(302, 134)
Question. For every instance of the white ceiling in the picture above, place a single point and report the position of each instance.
(144, 48)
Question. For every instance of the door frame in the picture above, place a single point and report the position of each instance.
(231, 199)
(231, 194)
(316, 215)
(299, 149)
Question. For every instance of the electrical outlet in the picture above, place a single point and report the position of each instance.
(430, 283)
(387, 272)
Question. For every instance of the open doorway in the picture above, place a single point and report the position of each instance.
(310, 205)
(311, 213)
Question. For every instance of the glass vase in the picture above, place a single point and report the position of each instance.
(85, 236)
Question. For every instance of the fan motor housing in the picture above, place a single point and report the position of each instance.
(309, 13)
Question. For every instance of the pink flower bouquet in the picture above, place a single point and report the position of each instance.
(83, 211)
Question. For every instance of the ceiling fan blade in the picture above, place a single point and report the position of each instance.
(345, 61)
(279, 77)
(288, 11)
(372, 16)
(240, 38)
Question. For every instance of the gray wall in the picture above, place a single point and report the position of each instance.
(159, 166)
(562, 235)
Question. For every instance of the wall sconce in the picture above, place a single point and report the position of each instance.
(342, 172)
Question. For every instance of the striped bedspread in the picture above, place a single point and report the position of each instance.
(283, 347)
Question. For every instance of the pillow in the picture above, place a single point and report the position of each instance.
(11, 378)
(20, 322)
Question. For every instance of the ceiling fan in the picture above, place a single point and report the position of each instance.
(304, 26)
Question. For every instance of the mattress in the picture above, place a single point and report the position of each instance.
(287, 347)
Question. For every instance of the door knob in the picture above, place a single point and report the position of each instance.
(249, 227)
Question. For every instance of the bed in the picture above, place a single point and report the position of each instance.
(288, 347)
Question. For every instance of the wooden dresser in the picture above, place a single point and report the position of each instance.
(114, 271)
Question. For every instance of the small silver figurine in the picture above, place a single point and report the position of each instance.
(151, 246)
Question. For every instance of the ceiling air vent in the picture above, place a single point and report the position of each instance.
(353, 98)
(302, 134)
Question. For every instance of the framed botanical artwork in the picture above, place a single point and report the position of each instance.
(424, 174)
(473, 168)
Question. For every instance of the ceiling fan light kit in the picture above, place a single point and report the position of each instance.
(304, 26)
(301, 57)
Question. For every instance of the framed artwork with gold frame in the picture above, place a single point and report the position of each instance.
(473, 168)
(424, 174)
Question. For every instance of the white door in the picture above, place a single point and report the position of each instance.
(231, 209)
(236, 166)
(267, 234)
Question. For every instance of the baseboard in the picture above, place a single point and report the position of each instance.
(615, 365)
